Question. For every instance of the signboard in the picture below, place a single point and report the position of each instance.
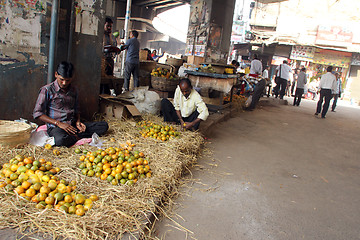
(355, 59)
(302, 53)
(332, 58)
(334, 36)
(277, 60)
(199, 50)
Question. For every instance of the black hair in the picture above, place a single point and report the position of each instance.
(65, 69)
(135, 33)
(256, 56)
(185, 80)
(108, 20)
(303, 69)
(329, 69)
(285, 61)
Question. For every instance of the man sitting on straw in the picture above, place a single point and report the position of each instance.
(57, 106)
(189, 109)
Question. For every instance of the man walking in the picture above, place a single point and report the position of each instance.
(327, 85)
(301, 82)
(283, 73)
(256, 66)
(132, 60)
(337, 92)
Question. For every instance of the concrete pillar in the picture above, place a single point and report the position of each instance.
(210, 28)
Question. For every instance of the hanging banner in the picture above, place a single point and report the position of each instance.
(332, 58)
(302, 53)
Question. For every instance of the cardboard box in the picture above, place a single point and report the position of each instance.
(119, 108)
(195, 60)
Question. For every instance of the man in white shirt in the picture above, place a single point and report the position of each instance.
(327, 86)
(337, 92)
(256, 66)
(283, 72)
(300, 84)
(189, 109)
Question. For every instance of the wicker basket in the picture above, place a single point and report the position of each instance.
(164, 84)
(14, 133)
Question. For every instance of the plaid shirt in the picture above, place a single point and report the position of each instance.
(57, 104)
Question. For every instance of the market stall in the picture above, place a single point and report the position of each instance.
(212, 86)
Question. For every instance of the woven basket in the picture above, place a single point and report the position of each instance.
(164, 84)
(14, 133)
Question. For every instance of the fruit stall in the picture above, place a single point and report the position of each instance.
(95, 192)
(213, 83)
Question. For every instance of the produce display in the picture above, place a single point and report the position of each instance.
(115, 165)
(235, 97)
(162, 72)
(157, 131)
(206, 69)
(36, 181)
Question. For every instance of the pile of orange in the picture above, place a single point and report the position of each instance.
(35, 180)
(116, 165)
(235, 97)
(157, 131)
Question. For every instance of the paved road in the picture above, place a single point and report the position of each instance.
(279, 173)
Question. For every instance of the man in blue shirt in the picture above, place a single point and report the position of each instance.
(132, 60)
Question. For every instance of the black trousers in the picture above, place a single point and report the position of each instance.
(169, 113)
(62, 138)
(336, 96)
(258, 91)
(131, 68)
(298, 95)
(324, 94)
(109, 70)
(280, 87)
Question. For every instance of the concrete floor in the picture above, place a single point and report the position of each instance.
(275, 173)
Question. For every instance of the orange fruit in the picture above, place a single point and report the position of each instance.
(72, 209)
(36, 186)
(28, 161)
(79, 198)
(26, 185)
(50, 200)
(19, 190)
(68, 199)
(47, 146)
(45, 189)
(30, 192)
(80, 212)
(94, 198)
(41, 197)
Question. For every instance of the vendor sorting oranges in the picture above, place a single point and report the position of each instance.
(188, 109)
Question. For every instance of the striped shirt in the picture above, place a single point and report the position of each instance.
(55, 103)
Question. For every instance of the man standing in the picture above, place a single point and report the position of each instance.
(109, 50)
(57, 106)
(300, 84)
(132, 60)
(283, 72)
(327, 85)
(337, 92)
(256, 66)
(109, 44)
(189, 109)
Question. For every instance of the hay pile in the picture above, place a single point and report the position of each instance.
(120, 208)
